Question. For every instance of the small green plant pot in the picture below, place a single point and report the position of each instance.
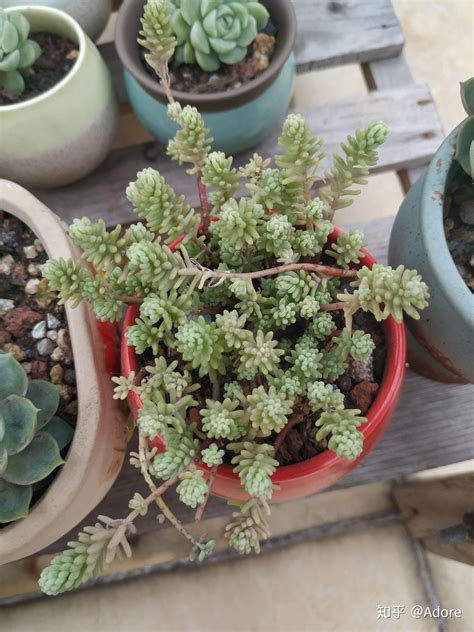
(92, 15)
(238, 119)
(441, 343)
(62, 135)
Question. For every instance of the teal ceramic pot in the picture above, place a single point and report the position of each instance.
(65, 133)
(238, 119)
(233, 130)
(92, 15)
(441, 343)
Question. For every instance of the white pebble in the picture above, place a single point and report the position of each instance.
(52, 321)
(6, 264)
(45, 347)
(6, 305)
(32, 286)
(39, 330)
(30, 252)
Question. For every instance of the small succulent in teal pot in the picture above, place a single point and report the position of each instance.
(31, 437)
(465, 140)
(215, 32)
(17, 53)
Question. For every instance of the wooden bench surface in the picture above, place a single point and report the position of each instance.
(409, 111)
(329, 33)
(432, 426)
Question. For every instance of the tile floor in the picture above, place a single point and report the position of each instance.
(320, 585)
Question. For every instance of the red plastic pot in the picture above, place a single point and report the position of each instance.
(323, 470)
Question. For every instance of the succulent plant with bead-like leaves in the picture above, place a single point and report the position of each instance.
(18, 54)
(31, 437)
(247, 309)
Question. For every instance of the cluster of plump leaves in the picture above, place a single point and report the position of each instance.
(260, 346)
(465, 136)
(212, 32)
(18, 54)
(236, 356)
(31, 437)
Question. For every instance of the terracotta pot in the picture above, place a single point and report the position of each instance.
(97, 450)
(321, 471)
(61, 135)
(441, 342)
(239, 118)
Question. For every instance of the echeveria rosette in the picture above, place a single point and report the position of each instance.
(17, 52)
(465, 138)
(31, 437)
(212, 32)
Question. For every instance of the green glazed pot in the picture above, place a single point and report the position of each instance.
(92, 15)
(441, 343)
(238, 119)
(63, 134)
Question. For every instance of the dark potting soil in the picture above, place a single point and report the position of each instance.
(57, 58)
(33, 327)
(459, 223)
(191, 78)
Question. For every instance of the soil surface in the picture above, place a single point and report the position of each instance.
(33, 327)
(191, 78)
(459, 223)
(58, 57)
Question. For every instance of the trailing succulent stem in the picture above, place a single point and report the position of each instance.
(238, 318)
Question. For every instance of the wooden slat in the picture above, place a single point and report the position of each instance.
(345, 31)
(392, 73)
(431, 427)
(415, 133)
(329, 33)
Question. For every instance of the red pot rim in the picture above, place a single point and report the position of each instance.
(388, 392)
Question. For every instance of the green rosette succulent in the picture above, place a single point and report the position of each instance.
(465, 139)
(17, 52)
(31, 437)
(212, 32)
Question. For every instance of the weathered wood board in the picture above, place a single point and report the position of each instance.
(343, 31)
(422, 435)
(415, 133)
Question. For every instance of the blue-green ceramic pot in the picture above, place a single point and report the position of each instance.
(233, 130)
(441, 343)
(92, 15)
(238, 119)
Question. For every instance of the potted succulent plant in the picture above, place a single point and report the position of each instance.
(92, 15)
(51, 72)
(65, 350)
(263, 349)
(434, 231)
(234, 62)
